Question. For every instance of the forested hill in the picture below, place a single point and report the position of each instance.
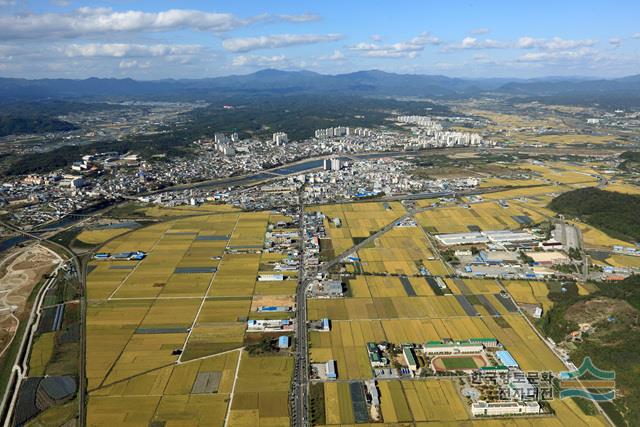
(18, 125)
(614, 213)
(613, 343)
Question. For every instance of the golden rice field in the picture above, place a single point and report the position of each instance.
(402, 250)
(486, 215)
(358, 220)
(262, 391)
(529, 292)
(176, 211)
(623, 187)
(593, 237)
(346, 342)
(527, 192)
(139, 313)
(431, 400)
(504, 182)
(438, 402)
(624, 261)
(165, 395)
(97, 236)
(563, 173)
(568, 139)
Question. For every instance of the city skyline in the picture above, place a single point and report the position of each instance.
(154, 40)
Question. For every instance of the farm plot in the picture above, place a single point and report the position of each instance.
(529, 292)
(164, 334)
(402, 250)
(486, 216)
(348, 223)
(176, 390)
(261, 393)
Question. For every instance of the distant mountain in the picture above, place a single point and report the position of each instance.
(270, 81)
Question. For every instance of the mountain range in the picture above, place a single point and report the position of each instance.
(361, 83)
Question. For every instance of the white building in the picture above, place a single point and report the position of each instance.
(489, 409)
(280, 138)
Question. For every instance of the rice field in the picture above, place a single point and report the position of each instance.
(262, 391)
(488, 215)
(438, 402)
(529, 292)
(346, 342)
(596, 238)
(357, 220)
(129, 402)
(97, 236)
(155, 326)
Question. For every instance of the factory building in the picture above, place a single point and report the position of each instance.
(489, 409)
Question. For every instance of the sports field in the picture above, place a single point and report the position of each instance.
(457, 363)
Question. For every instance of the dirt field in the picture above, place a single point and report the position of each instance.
(271, 300)
(20, 272)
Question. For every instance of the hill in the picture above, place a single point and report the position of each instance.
(18, 125)
(614, 213)
(360, 83)
(613, 342)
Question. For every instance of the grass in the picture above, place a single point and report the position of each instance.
(56, 415)
(455, 363)
(317, 406)
(41, 353)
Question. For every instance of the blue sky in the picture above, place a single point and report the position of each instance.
(194, 39)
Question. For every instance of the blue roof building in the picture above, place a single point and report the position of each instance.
(506, 359)
(283, 341)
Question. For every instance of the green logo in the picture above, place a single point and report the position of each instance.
(588, 382)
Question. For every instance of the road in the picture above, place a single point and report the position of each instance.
(300, 386)
(21, 365)
(80, 267)
(299, 416)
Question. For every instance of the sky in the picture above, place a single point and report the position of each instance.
(159, 39)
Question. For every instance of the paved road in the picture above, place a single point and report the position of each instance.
(81, 272)
(299, 393)
(300, 397)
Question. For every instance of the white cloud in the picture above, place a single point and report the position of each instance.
(247, 44)
(91, 21)
(305, 17)
(260, 61)
(408, 49)
(480, 31)
(615, 42)
(556, 43)
(636, 36)
(335, 56)
(475, 43)
(526, 42)
(121, 50)
(126, 65)
(584, 53)
(376, 37)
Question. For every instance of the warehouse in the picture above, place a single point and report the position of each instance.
(548, 258)
(477, 237)
(489, 409)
